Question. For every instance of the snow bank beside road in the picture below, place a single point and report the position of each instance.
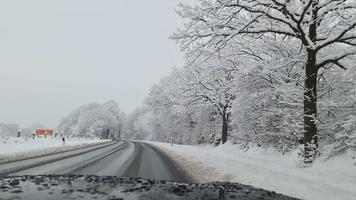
(13, 149)
(331, 179)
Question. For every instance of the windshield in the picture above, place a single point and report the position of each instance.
(192, 99)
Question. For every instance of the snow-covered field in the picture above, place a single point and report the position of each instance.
(14, 148)
(326, 179)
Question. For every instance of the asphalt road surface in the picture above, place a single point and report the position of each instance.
(123, 158)
(113, 170)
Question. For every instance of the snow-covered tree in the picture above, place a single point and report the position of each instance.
(324, 30)
(268, 109)
(139, 125)
(209, 85)
(338, 112)
(176, 112)
(170, 117)
(103, 120)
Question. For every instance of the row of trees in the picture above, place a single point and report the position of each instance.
(102, 120)
(270, 72)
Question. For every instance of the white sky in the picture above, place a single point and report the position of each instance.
(56, 55)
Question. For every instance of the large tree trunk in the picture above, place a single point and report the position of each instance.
(310, 93)
(224, 128)
(310, 109)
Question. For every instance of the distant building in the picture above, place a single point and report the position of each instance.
(44, 132)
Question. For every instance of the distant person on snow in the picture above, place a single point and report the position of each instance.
(63, 138)
(171, 141)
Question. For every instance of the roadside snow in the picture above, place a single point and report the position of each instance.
(326, 179)
(13, 148)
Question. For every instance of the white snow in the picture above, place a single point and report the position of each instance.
(14, 148)
(334, 178)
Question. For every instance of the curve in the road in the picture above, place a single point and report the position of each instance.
(123, 159)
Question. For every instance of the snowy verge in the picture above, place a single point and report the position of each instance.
(14, 149)
(334, 178)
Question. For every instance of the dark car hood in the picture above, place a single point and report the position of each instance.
(108, 187)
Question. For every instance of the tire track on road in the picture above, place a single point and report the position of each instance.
(11, 169)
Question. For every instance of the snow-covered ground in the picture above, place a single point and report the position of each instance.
(326, 179)
(14, 148)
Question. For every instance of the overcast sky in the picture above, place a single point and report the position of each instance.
(57, 55)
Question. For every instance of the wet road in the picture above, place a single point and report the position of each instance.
(151, 164)
(95, 172)
(123, 158)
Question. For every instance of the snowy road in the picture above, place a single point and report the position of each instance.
(72, 175)
(123, 158)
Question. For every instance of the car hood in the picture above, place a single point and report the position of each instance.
(110, 187)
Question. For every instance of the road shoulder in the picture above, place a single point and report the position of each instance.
(24, 155)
